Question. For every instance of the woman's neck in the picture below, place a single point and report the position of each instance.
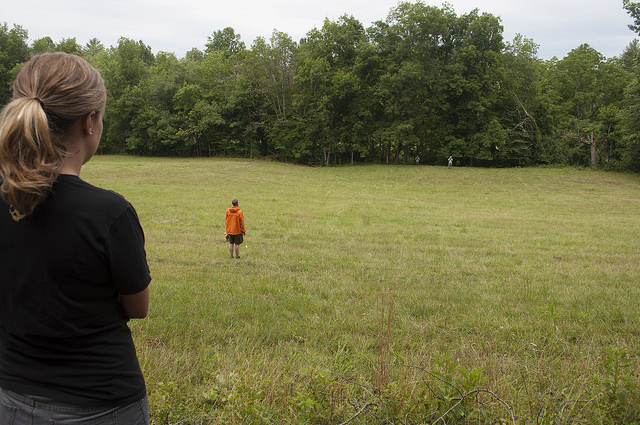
(71, 165)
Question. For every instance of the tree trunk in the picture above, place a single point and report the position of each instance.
(594, 154)
(397, 152)
(610, 147)
(388, 151)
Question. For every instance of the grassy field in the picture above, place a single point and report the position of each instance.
(387, 294)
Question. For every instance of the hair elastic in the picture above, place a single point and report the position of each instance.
(40, 101)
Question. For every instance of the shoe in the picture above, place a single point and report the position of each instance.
(238, 257)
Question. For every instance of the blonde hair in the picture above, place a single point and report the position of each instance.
(51, 92)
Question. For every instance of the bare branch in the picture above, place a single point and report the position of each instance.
(535, 124)
(358, 413)
(476, 392)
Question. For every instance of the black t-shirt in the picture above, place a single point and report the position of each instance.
(63, 334)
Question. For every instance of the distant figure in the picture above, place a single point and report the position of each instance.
(73, 267)
(235, 228)
(450, 162)
(417, 160)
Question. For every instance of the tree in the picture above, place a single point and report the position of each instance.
(311, 102)
(630, 141)
(633, 9)
(197, 116)
(225, 40)
(46, 44)
(582, 86)
(274, 71)
(415, 44)
(330, 89)
(154, 123)
(472, 77)
(631, 119)
(522, 103)
(92, 50)
(423, 81)
(243, 110)
(43, 45)
(13, 52)
(440, 81)
(271, 68)
(123, 68)
(69, 45)
(630, 58)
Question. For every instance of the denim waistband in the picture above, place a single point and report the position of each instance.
(46, 403)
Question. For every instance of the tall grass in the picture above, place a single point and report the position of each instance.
(385, 294)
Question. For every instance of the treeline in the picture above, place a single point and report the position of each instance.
(425, 82)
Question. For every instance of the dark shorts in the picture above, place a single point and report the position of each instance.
(235, 239)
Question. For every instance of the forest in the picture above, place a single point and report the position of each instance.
(423, 82)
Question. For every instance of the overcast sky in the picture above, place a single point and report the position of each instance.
(558, 26)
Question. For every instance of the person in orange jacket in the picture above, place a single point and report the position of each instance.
(235, 227)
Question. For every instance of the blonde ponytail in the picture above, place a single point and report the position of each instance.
(51, 92)
(29, 159)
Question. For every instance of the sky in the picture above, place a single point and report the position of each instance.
(557, 26)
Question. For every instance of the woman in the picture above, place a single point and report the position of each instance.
(73, 267)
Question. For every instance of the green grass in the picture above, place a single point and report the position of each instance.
(386, 293)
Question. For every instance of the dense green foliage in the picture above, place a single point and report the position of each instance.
(424, 81)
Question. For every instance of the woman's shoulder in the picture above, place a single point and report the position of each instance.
(74, 190)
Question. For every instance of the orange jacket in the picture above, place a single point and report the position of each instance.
(235, 221)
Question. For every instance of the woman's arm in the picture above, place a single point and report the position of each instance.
(136, 306)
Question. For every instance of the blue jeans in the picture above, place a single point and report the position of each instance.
(18, 409)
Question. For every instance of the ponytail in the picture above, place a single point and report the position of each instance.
(29, 156)
(51, 92)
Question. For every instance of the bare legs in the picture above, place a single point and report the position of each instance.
(237, 250)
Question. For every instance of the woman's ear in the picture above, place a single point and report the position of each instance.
(87, 123)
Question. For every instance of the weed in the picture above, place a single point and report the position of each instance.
(620, 386)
